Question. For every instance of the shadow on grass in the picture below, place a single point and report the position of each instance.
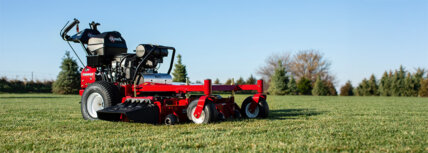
(283, 114)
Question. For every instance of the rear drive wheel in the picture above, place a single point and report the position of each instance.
(208, 113)
(262, 109)
(97, 96)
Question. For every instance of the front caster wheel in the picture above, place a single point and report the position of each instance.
(209, 113)
(171, 119)
(261, 110)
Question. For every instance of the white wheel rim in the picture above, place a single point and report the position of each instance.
(94, 103)
(201, 117)
(248, 112)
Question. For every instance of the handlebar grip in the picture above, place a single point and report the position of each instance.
(68, 28)
(94, 25)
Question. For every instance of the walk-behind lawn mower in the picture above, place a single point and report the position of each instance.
(121, 86)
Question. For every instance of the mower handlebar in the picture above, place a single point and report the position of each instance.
(67, 28)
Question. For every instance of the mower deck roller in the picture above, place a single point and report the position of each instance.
(121, 86)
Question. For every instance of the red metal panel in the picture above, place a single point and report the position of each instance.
(81, 92)
(247, 87)
(87, 76)
(127, 90)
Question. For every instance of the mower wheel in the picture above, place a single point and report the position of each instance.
(171, 119)
(209, 113)
(97, 96)
(236, 114)
(262, 109)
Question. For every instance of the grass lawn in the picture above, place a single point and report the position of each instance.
(46, 123)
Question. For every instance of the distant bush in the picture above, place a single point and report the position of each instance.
(347, 89)
(304, 86)
(320, 88)
(24, 86)
(423, 91)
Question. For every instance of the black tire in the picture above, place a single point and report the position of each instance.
(264, 112)
(237, 114)
(109, 93)
(209, 111)
(171, 119)
(263, 108)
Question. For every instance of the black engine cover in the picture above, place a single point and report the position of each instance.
(107, 44)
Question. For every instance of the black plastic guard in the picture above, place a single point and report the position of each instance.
(134, 112)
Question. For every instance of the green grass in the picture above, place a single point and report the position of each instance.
(47, 123)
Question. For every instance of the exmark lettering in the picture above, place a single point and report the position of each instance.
(113, 39)
(87, 74)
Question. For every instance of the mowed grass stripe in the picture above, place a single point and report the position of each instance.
(46, 122)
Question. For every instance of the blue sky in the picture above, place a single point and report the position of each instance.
(224, 39)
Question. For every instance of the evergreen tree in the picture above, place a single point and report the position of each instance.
(292, 86)
(278, 81)
(365, 85)
(363, 88)
(385, 85)
(395, 85)
(347, 89)
(331, 89)
(372, 86)
(398, 86)
(320, 88)
(357, 90)
(304, 86)
(408, 85)
(68, 80)
(228, 82)
(251, 80)
(217, 81)
(423, 90)
(180, 72)
(240, 81)
(417, 78)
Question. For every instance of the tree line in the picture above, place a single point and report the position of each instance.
(399, 82)
(305, 73)
(67, 82)
(24, 86)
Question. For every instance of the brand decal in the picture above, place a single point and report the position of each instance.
(113, 39)
(87, 74)
(90, 35)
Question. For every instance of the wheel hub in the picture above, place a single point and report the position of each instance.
(94, 103)
(201, 117)
(252, 114)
